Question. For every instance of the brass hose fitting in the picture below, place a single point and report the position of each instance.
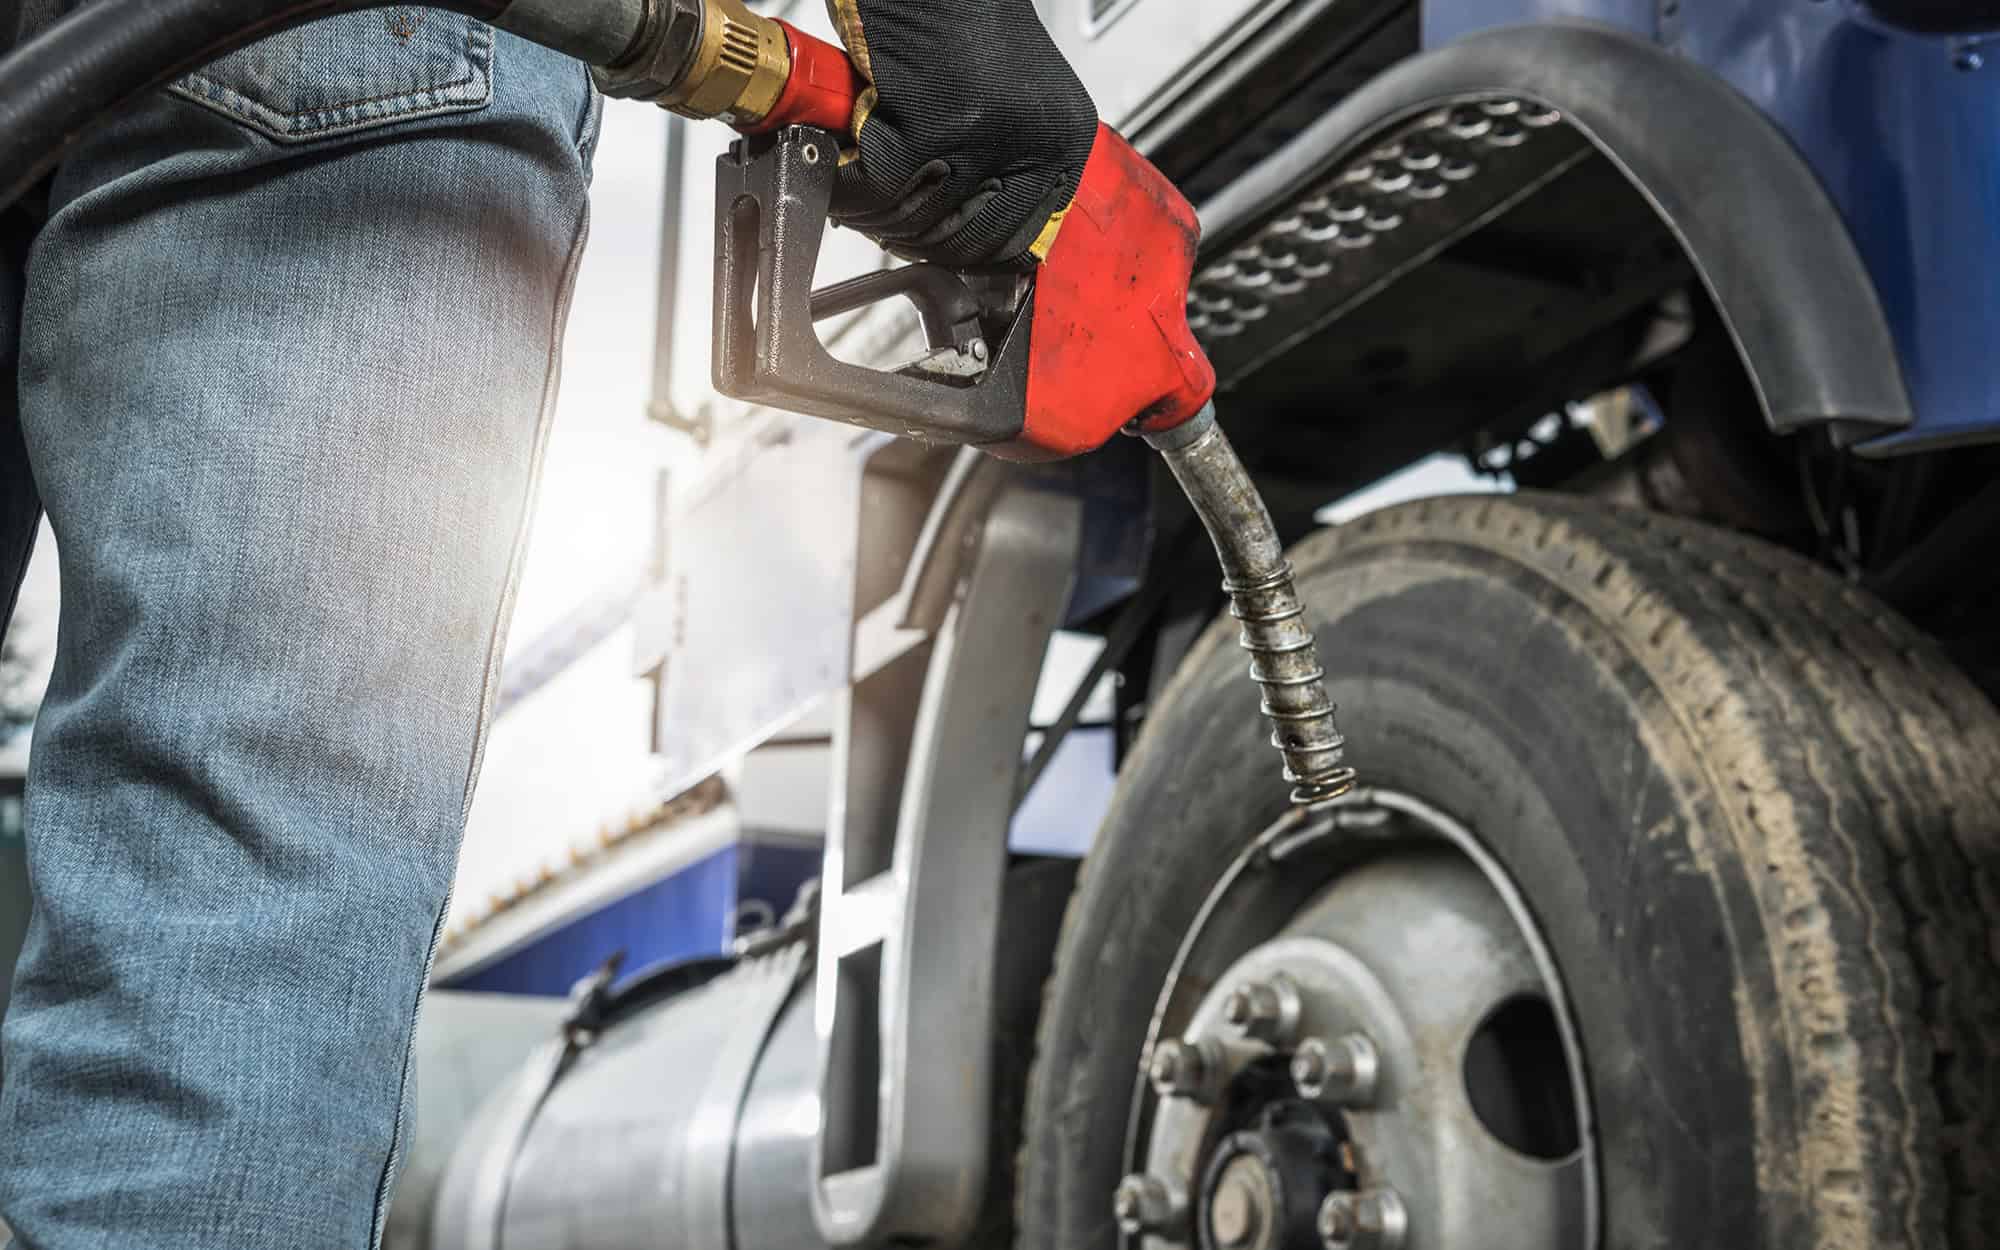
(705, 59)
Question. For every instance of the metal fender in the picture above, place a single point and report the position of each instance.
(1758, 227)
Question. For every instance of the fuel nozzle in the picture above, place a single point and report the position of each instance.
(717, 59)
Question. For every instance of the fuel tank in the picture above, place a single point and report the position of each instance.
(638, 1136)
(680, 1114)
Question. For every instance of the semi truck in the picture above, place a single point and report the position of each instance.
(1663, 910)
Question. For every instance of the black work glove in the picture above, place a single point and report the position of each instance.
(973, 135)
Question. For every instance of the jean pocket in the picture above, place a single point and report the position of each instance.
(339, 75)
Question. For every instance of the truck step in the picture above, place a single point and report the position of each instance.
(1386, 210)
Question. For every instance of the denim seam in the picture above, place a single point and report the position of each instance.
(350, 115)
(593, 116)
(489, 690)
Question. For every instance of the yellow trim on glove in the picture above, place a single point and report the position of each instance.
(846, 15)
(1039, 249)
(864, 108)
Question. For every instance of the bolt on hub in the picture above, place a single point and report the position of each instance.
(1185, 1069)
(1265, 1010)
(1367, 1219)
(1147, 1204)
(1343, 1071)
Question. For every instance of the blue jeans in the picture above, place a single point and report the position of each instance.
(286, 350)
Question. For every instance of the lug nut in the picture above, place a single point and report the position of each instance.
(1336, 1222)
(1181, 1070)
(1265, 1010)
(1147, 1204)
(1342, 1071)
(1247, 1004)
(1370, 1219)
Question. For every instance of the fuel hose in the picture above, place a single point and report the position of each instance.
(104, 56)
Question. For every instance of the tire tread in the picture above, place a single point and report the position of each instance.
(1916, 870)
(1859, 776)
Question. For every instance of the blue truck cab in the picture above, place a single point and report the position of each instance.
(1891, 108)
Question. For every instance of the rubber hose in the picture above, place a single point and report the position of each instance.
(106, 55)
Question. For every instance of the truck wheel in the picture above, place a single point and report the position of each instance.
(1665, 916)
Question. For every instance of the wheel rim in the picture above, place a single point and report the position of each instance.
(1364, 1044)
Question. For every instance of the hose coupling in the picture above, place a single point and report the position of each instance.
(704, 59)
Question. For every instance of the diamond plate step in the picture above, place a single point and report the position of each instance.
(1387, 210)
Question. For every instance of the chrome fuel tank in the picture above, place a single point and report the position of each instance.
(629, 1138)
(682, 1114)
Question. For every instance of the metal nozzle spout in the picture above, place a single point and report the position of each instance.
(1284, 660)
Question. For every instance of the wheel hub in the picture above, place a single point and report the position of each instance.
(1240, 1212)
(1385, 1069)
(1263, 1184)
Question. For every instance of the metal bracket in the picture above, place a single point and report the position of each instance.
(926, 752)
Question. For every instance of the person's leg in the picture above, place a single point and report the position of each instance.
(285, 399)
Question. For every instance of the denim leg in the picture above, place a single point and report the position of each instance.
(287, 353)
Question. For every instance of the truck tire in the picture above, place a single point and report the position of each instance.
(1753, 817)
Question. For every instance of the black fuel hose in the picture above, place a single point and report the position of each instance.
(106, 55)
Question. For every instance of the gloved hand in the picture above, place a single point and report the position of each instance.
(973, 135)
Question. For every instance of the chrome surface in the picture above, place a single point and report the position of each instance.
(774, 1140)
(1265, 1010)
(757, 992)
(1371, 1219)
(691, 1123)
(1342, 1071)
(1186, 1069)
(1283, 660)
(916, 847)
(1404, 940)
(633, 1144)
(467, 1047)
(1147, 1204)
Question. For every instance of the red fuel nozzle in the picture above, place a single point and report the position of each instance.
(820, 90)
(1111, 347)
